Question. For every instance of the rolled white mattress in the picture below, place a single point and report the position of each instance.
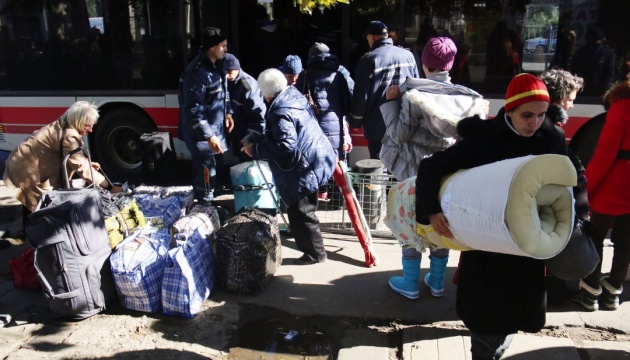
(522, 206)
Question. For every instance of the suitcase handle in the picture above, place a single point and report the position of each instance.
(252, 187)
(64, 163)
(48, 291)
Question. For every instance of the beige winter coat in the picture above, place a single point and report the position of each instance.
(34, 166)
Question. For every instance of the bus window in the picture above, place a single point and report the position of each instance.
(540, 37)
(95, 45)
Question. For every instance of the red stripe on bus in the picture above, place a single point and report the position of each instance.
(164, 116)
(30, 115)
(21, 129)
(41, 116)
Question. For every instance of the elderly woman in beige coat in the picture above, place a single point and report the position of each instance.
(34, 166)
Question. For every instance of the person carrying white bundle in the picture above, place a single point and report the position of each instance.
(497, 294)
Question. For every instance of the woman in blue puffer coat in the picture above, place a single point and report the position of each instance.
(300, 158)
(330, 86)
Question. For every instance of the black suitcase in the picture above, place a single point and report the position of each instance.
(158, 158)
(72, 251)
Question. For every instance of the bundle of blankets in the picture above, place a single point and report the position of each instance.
(522, 206)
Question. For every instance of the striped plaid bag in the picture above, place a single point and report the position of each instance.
(167, 210)
(138, 266)
(188, 277)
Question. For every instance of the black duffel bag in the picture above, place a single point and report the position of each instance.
(247, 251)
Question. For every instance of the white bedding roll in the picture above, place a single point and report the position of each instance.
(522, 206)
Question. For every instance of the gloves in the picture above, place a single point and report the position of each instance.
(252, 137)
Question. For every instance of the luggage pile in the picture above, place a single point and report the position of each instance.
(152, 246)
(168, 266)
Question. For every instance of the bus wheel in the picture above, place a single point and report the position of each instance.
(116, 143)
(585, 140)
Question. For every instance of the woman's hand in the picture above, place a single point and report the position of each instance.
(96, 166)
(440, 224)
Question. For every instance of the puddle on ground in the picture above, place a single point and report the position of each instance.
(269, 339)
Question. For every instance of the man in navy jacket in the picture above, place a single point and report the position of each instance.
(383, 66)
(205, 112)
(247, 103)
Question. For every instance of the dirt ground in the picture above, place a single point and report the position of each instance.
(224, 330)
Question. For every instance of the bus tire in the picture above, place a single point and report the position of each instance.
(116, 143)
(585, 140)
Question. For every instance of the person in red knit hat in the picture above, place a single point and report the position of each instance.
(497, 294)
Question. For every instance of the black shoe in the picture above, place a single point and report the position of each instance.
(586, 296)
(306, 259)
(609, 299)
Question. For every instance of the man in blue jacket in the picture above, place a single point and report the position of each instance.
(383, 66)
(300, 157)
(205, 112)
(247, 103)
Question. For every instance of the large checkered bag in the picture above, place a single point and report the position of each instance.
(188, 277)
(167, 210)
(138, 267)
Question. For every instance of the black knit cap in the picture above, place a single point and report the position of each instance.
(211, 36)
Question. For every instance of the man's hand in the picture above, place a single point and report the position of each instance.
(393, 92)
(440, 225)
(96, 166)
(229, 123)
(248, 149)
(215, 144)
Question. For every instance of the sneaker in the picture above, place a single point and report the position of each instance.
(609, 299)
(586, 296)
(5, 319)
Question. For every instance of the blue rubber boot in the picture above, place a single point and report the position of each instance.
(407, 285)
(434, 280)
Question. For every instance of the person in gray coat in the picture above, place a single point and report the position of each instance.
(419, 124)
(300, 157)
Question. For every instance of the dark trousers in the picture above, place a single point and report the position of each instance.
(305, 227)
(214, 163)
(374, 147)
(620, 237)
(489, 347)
(25, 213)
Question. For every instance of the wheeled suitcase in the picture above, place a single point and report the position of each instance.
(158, 157)
(72, 250)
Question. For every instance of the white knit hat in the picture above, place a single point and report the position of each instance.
(271, 82)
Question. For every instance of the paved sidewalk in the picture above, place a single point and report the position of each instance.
(341, 289)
